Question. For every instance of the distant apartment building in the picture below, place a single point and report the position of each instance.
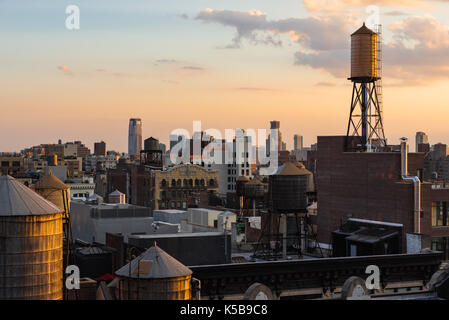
(421, 138)
(10, 163)
(74, 167)
(100, 148)
(81, 151)
(35, 165)
(237, 158)
(94, 163)
(135, 137)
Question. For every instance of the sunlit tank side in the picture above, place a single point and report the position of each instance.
(31, 248)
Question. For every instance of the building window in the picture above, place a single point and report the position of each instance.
(440, 214)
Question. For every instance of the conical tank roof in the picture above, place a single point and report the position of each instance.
(255, 181)
(363, 30)
(17, 199)
(242, 179)
(116, 193)
(154, 263)
(291, 169)
(49, 181)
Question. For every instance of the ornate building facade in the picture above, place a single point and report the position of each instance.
(180, 186)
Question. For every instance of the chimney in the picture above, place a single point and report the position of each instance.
(404, 155)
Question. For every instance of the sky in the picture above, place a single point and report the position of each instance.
(229, 64)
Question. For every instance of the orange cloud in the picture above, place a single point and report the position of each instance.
(65, 69)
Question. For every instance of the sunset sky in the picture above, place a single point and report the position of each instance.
(230, 64)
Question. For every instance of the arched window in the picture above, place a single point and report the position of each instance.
(173, 183)
(184, 183)
(164, 182)
(211, 182)
(197, 182)
(178, 183)
(202, 182)
(190, 182)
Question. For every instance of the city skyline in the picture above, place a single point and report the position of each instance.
(232, 65)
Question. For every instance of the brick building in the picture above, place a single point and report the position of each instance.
(368, 185)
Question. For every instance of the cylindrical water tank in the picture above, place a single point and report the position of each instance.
(288, 189)
(363, 54)
(31, 248)
(151, 144)
(240, 185)
(117, 197)
(254, 189)
(154, 275)
(55, 191)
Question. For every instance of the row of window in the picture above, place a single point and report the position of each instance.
(13, 164)
(187, 183)
(173, 205)
(175, 194)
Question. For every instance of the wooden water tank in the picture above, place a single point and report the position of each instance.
(363, 54)
(154, 275)
(31, 249)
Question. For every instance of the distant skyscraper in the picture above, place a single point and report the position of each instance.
(421, 137)
(297, 142)
(135, 136)
(275, 125)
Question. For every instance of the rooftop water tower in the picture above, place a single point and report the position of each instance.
(365, 128)
(31, 266)
(154, 275)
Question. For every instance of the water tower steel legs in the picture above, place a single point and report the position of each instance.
(366, 127)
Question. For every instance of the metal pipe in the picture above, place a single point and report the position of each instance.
(416, 184)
